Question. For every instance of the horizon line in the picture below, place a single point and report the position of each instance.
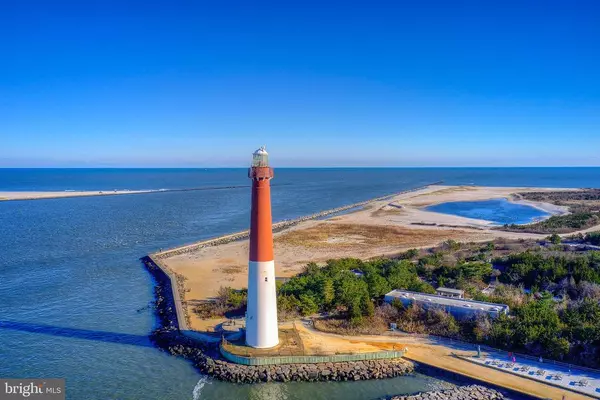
(321, 167)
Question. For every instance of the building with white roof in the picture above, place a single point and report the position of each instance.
(459, 308)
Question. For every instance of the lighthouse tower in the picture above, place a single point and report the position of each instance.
(261, 316)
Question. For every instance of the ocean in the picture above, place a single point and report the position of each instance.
(75, 302)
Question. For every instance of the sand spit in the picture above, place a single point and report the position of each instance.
(383, 227)
(7, 196)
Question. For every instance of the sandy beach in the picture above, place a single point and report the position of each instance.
(7, 196)
(381, 228)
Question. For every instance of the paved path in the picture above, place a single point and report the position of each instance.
(444, 354)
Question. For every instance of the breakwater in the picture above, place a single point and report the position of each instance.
(472, 392)
(278, 226)
(307, 359)
(343, 371)
(163, 296)
(224, 370)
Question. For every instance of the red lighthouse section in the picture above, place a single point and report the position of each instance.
(261, 233)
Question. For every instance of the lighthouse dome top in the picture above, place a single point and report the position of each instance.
(261, 150)
(260, 158)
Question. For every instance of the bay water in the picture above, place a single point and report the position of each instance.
(75, 302)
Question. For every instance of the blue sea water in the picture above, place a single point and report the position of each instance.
(75, 300)
(499, 211)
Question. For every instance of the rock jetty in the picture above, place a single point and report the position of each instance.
(471, 392)
(343, 371)
(237, 373)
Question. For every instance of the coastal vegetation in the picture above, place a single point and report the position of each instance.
(559, 223)
(592, 238)
(583, 205)
(228, 302)
(553, 292)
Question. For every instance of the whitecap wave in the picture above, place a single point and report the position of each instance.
(198, 388)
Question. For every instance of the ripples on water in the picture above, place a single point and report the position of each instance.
(74, 297)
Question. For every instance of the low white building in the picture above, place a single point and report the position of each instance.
(459, 308)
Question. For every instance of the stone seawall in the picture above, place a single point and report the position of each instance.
(344, 371)
(277, 227)
(163, 296)
(238, 373)
(472, 392)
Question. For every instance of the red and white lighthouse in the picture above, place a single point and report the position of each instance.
(261, 315)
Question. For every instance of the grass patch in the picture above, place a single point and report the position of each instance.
(327, 235)
(369, 326)
(230, 269)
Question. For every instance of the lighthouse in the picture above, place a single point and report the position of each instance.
(261, 315)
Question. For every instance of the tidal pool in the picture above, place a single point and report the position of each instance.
(498, 211)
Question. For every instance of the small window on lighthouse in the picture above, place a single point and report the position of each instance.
(266, 280)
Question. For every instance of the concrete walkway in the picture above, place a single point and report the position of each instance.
(446, 355)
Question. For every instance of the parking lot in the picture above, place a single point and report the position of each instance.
(581, 380)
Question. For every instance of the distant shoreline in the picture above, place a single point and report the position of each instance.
(11, 196)
(42, 195)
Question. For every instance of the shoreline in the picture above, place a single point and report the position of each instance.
(551, 209)
(153, 261)
(206, 357)
(179, 338)
(383, 226)
(55, 194)
(281, 225)
(35, 195)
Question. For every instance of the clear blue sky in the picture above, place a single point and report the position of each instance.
(204, 83)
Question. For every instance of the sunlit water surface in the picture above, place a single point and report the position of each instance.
(498, 211)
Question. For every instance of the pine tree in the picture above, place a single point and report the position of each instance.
(327, 292)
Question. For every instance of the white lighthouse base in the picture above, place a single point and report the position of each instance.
(262, 330)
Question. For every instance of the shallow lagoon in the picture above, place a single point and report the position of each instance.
(498, 211)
